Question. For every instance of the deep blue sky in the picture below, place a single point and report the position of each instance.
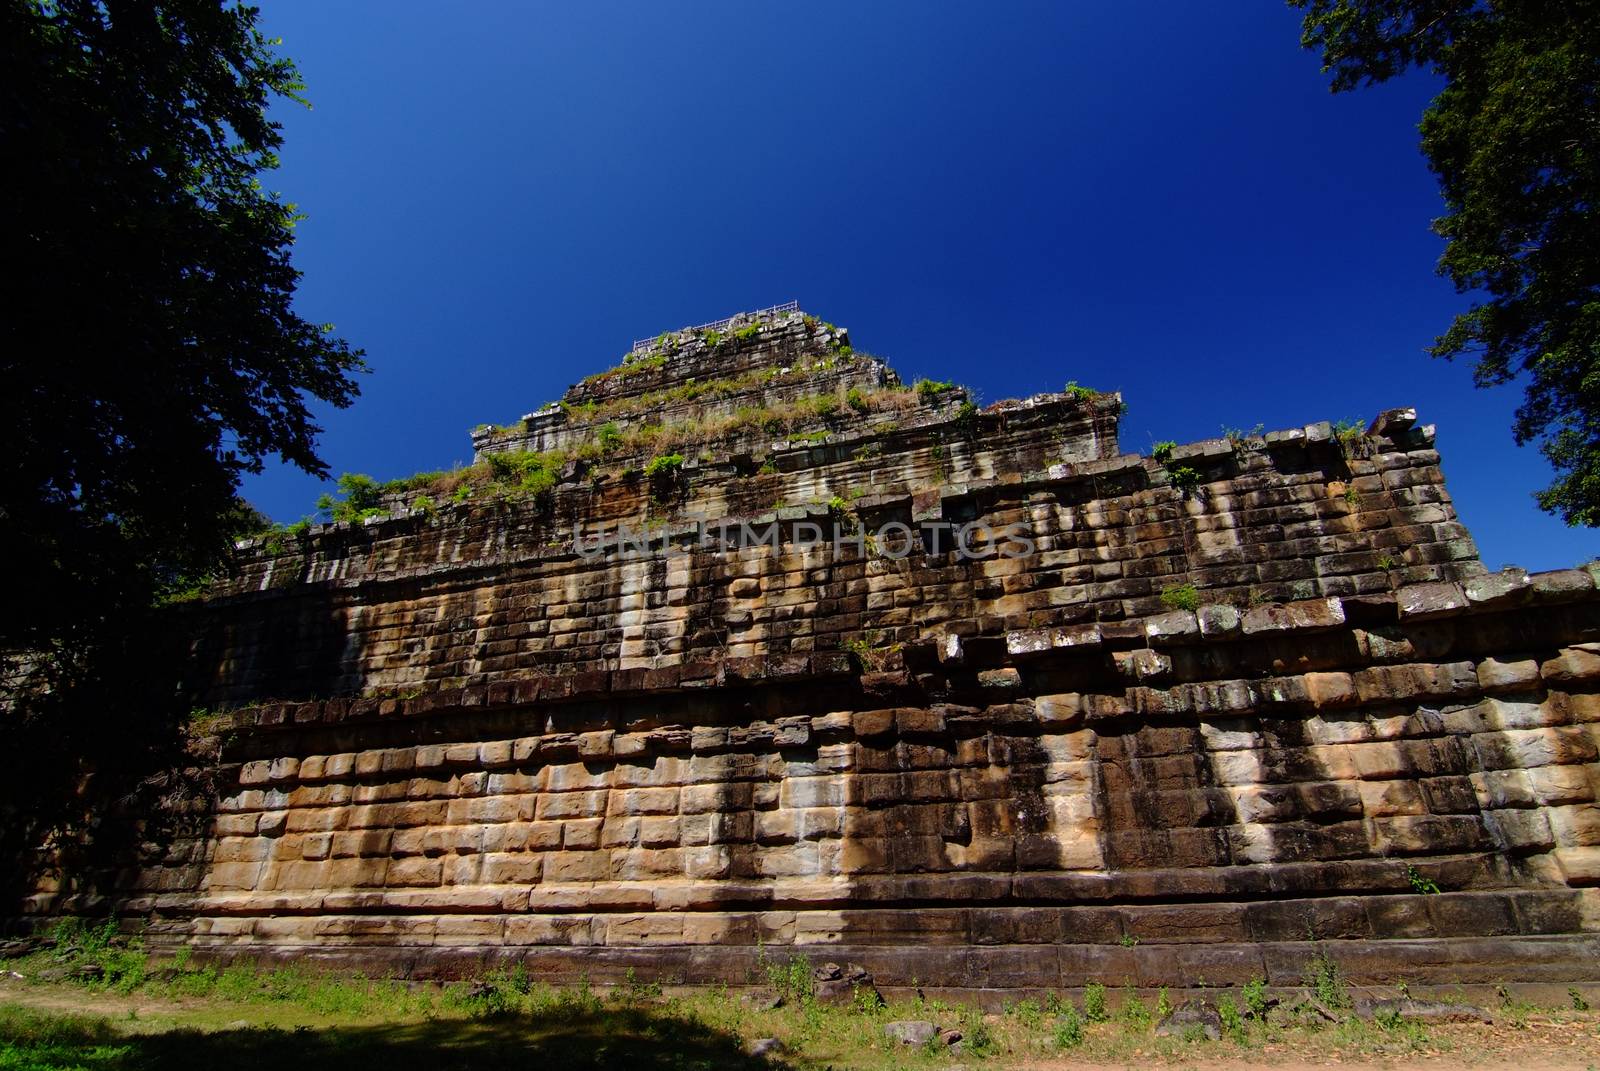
(1159, 198)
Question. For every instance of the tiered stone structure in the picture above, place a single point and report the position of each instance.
(1254, 694)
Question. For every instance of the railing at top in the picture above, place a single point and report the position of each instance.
(717, 325)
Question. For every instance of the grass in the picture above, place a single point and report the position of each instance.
(174, 1013)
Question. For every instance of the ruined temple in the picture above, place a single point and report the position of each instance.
(746, 645)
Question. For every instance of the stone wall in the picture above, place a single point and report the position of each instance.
(459, 739)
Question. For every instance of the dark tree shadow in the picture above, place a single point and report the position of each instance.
(632, 1038)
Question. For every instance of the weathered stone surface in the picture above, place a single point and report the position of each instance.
(1219, 622)
(832, 983)
(1563, 585)
(1305, 615)
(911, 1031)
(1192, 1017)
(1421, 1011)
(1431, 600)
(1505, 588)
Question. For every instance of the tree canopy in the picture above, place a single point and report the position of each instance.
(1514, 140)
(150, 350)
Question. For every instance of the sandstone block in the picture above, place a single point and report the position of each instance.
(1218, 621)
(577, 866)
(558, 805)
(316, 845)
(255, 773)
(1059, 711)
(1496, 590)
(1308, 615)
(643, 801)
(1520, 830)
(518, 868)
(1329, 689)
(1573, 666)
(1579, 866)
(1575, 826)
(236, 825)
(1527, 748)
(645, 864)
(581, 833)
(415, 871)
(1178, 626)
(1000, 680)
(1142, 665)
(1385, 799)
(548, 930)
(1421, 601)
(1562, 585)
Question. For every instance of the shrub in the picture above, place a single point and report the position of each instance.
(790, 978)
(929, 389)
(1255, 998)
(1232, 1018)
(1325, 980)
(359, 498)
(1078, 393)
(663, 471)
(1069, 1029)
(609, 437)
(1029, 1013)
(663, 465)
(1162, 451)
(1094, 1003)
(1180, 597)
(1134, 1013)
(1184, 478)
(856, 400)
(1349, 431)
(485, 1000)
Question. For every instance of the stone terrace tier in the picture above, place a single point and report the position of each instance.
(1233, 698)
(479, 594)
(1408, 779)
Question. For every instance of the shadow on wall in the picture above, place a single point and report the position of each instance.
(95, 766)
(275, 647)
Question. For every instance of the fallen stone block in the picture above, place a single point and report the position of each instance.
(1189, 1019)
